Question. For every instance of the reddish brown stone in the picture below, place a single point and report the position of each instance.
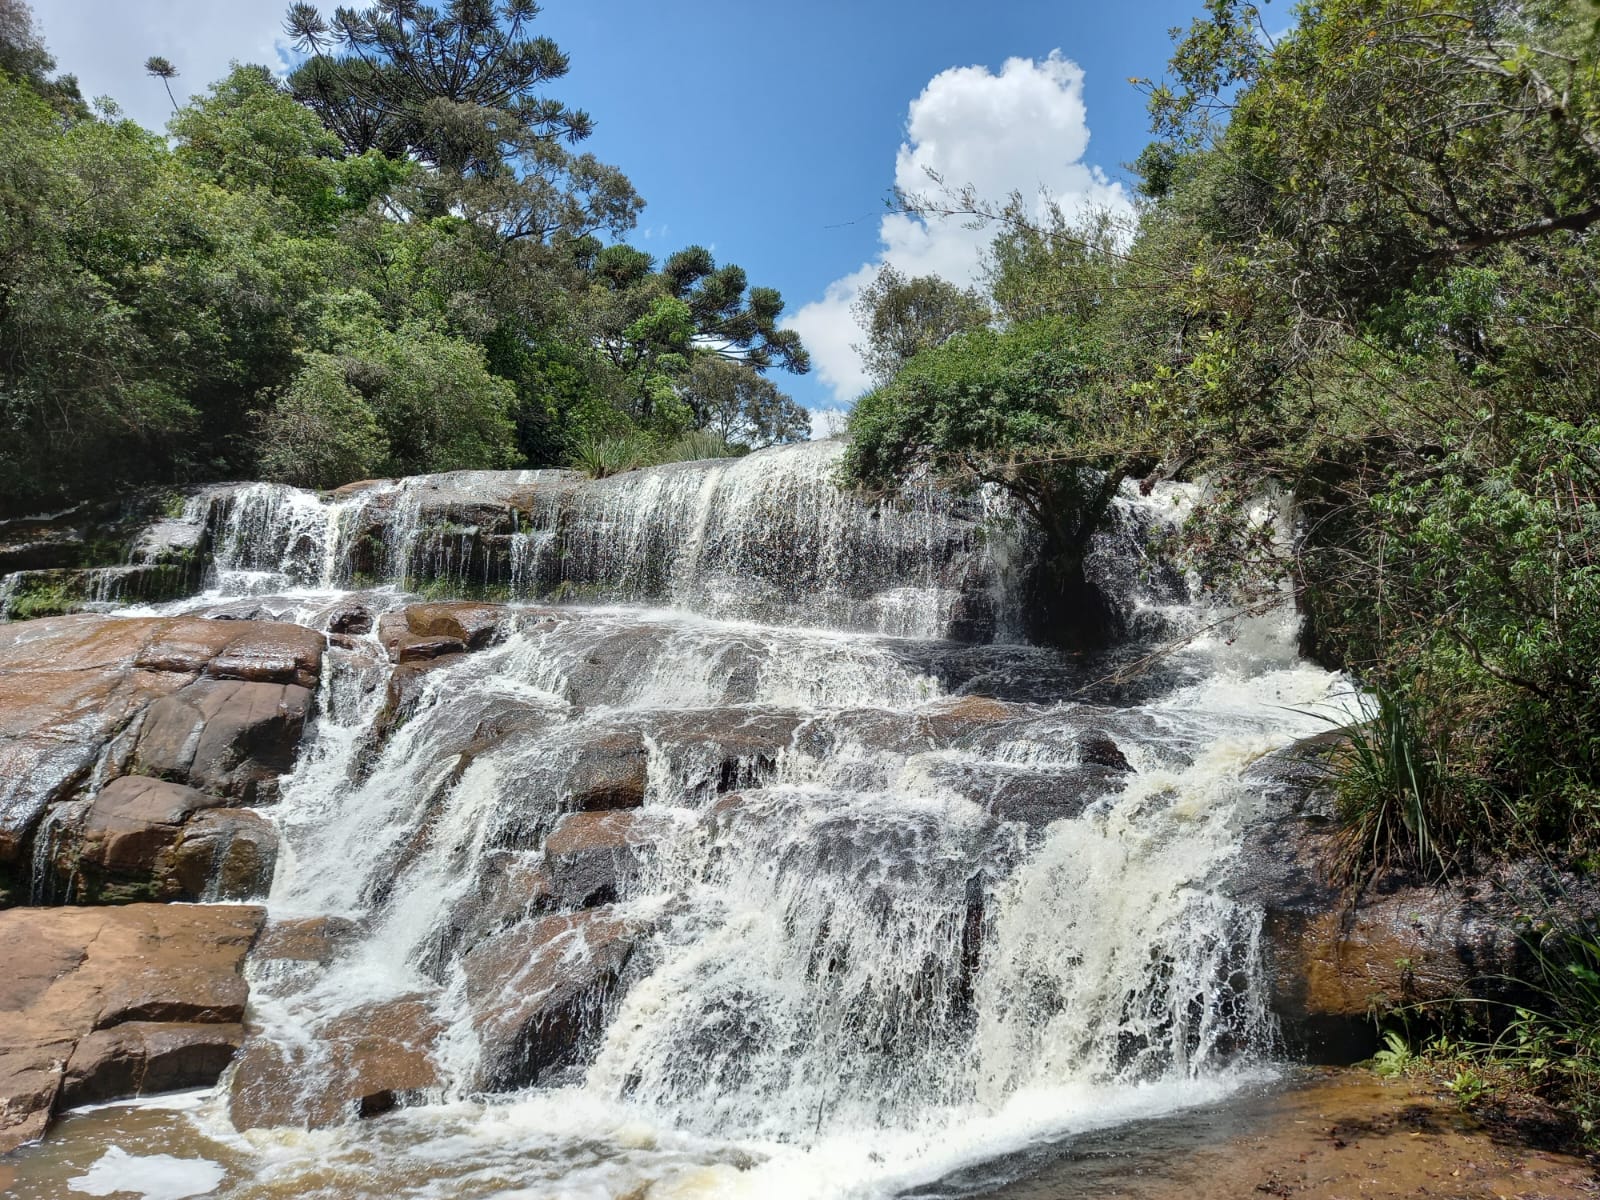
(539, 990)
(73, 972)
(365, 1062)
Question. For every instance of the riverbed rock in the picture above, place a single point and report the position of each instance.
(369, 1059)
(304, 939)
(147, 977)
(225, 737)
(148, 839)
(217, 705)
(592, 857)
(511, 886)
(713, 751)
(540, 991)
(1341, 957)
(609, 770)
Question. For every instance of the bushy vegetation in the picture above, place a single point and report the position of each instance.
(1365, 276)
(395, 261)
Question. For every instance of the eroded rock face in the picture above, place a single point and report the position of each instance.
(539, 990)
(361, 1065)
(1338, 956)
(103, 1003)
(215, 707)
(592, 857)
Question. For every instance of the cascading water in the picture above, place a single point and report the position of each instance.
(767, 537)
(787, 910)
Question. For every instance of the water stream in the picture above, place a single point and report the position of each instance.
(893, 902)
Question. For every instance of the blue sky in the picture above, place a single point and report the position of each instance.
(771, 133)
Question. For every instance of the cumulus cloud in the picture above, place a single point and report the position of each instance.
(105, 42)
(1021, 130)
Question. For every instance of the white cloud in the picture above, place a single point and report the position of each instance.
(1022, 130)
(105, 42)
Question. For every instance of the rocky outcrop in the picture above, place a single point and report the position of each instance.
(146, 839)
(539, 990)
(363, 1063)
(214, 708)
(592, 857)
(100, 554)
(105, 1003)
(1341, 958)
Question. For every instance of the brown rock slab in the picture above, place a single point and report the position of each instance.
(226, 737)
(77, 972)
(538, 991)
(134, 821)
(359, 1066)
(222, 854)
(610, 771)
(143, 1058)
(591, 857)
(474, 625)
(73, 691)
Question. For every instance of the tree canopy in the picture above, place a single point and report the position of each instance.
(395, 261)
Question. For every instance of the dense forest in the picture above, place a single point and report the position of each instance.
(393, 261)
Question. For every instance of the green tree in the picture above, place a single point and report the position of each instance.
(431, 399)
(903, 316)
(23, 57)
(741, 406)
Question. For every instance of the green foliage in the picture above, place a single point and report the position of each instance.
(904, 316)
(322, 432)
(1013, 408)
(1394, 795)
(599, 458)
(398, 274)
(696, 445)
(737, 404)
(1396, 1058)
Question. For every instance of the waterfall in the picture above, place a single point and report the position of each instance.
(767, 537)
(765, 863)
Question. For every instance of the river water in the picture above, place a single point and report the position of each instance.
(903, 895)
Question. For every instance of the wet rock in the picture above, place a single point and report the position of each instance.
(960, 715)
(426, 631)
(142, 1058)
(134, 822)
(75, 972)
(512, 885)
(222, 854)
(349, 619)
(474, 625)
(147, 839)
(403, 692)
(304, 939)
(1097, 749)
(225, 737)
(369, 1059)
(37, 543)
(713, 751)
(592, 857)
(1031, 796)
(73, 691)
(610, 772)
(540, 991)
(1338, 955)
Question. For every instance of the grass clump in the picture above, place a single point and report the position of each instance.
(602, 457)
